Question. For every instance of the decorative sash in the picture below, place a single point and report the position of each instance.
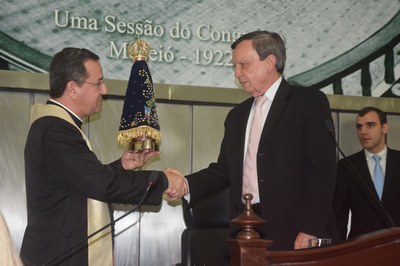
(98, 215)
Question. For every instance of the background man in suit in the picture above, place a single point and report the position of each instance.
(355, 189)
(295, 164)
(67, 187)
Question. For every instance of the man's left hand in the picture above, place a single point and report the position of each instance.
(302, 240)
(133, 159)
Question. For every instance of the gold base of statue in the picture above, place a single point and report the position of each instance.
(145, 144)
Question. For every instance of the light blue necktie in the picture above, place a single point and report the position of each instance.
(378, 176)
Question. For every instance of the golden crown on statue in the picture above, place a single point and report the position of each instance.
(138, 50)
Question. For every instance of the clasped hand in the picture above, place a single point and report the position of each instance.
(178, 186)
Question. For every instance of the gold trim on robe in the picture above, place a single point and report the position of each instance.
(99, 246)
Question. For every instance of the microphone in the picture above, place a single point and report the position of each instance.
(150, 182)
(358, 179)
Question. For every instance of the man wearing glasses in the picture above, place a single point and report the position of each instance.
(68, 188)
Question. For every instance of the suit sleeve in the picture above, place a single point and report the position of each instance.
(212, 179)
(76, 166)
(320, 171)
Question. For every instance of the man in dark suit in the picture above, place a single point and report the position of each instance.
(295, 159)
(67, 187)
(372, 208)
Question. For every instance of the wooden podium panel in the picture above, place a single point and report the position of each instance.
(377, 248)
(373, 249)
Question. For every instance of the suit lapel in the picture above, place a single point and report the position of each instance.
(242, 125)
(392, 171)
(362, 167)
(360, 163)
(277, 107)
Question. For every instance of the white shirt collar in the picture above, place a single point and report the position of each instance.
(69, 110)
(382, 154)
(271, 92)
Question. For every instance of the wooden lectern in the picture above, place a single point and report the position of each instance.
(248, 249)
(377, 248)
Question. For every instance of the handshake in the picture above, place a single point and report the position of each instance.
(177, 184)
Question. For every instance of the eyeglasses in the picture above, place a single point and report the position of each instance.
(98, 84)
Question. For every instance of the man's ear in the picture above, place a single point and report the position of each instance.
(271, 61)
(385, 128)
(71, 89)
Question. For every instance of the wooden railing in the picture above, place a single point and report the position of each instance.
(377, 248)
